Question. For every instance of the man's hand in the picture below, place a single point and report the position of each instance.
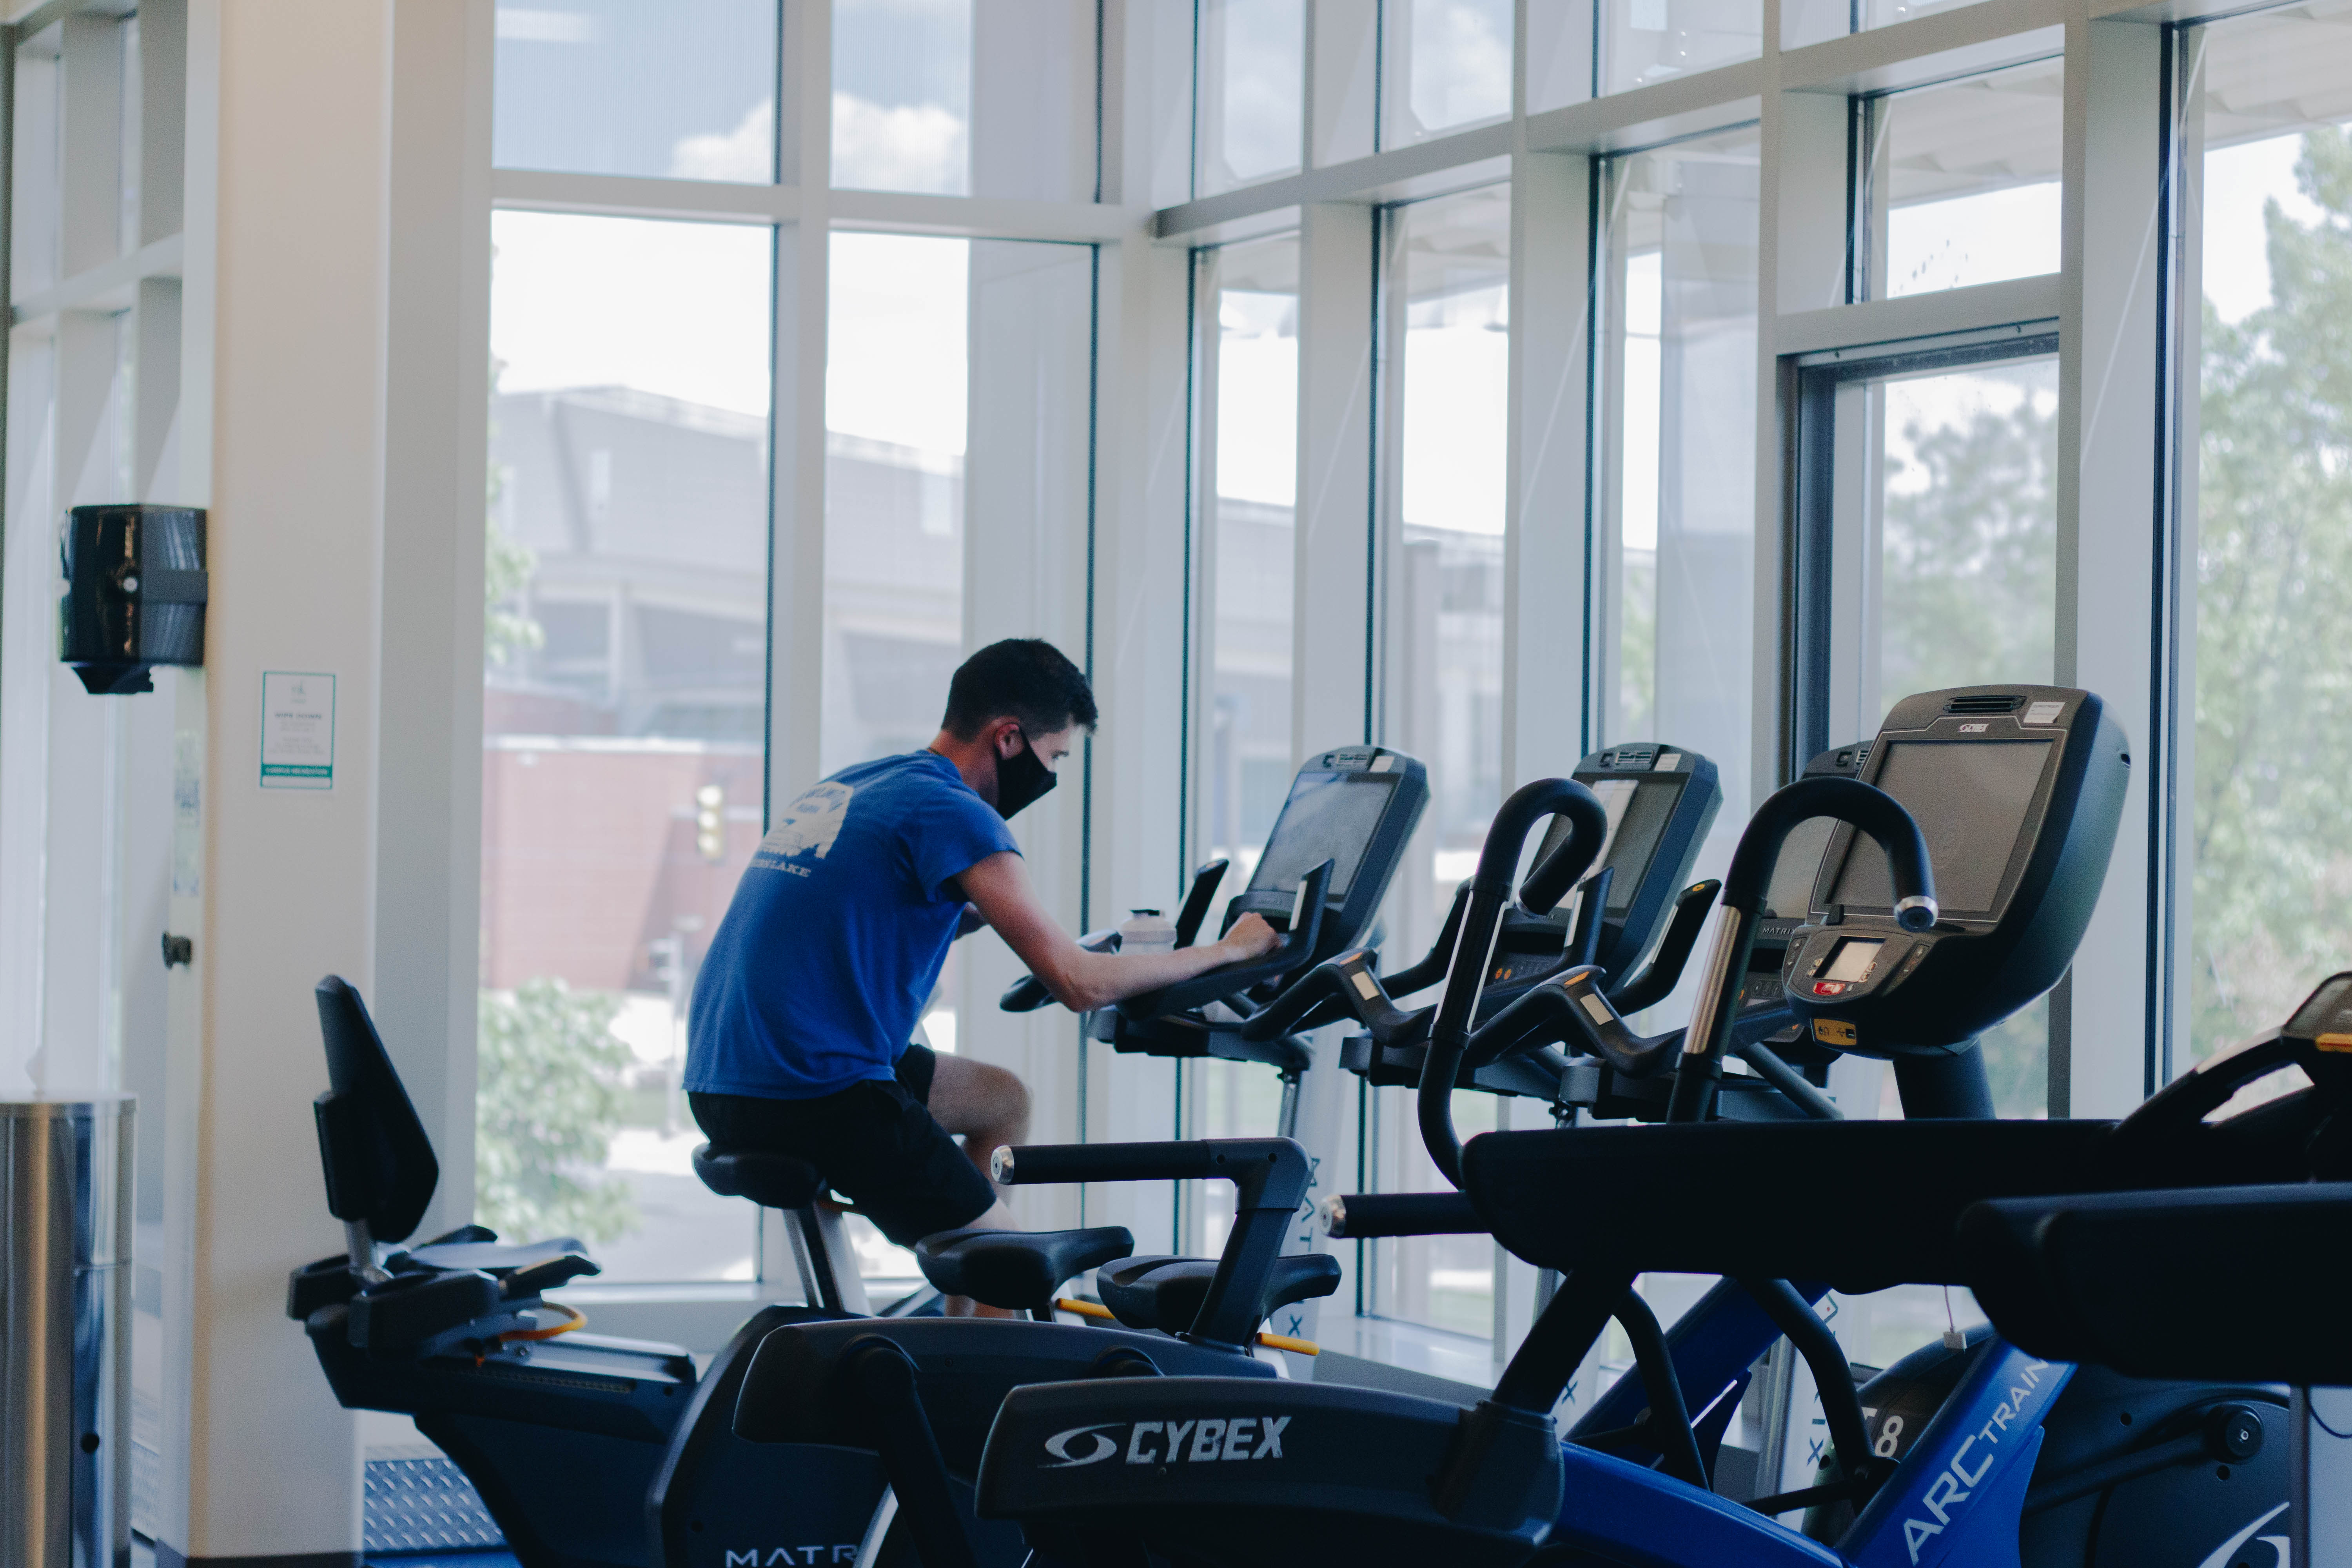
(1250, 938)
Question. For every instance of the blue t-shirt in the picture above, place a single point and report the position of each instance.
(837, 931)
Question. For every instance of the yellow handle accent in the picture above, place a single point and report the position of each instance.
(577, 1319)
(1271, 1341)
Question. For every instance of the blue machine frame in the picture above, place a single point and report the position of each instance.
(1956, 1498)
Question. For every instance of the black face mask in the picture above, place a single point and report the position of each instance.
(1021, 779)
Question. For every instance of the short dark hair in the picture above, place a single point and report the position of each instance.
(1026, 678)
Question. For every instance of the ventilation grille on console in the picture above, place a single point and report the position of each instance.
(1987, 703)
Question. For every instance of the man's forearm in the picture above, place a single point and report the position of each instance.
(1099, 979)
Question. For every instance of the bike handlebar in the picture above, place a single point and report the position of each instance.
(1873, 812)
(1506, 838)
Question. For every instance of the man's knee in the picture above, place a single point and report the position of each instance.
(967, 1095)
(1001, 1095)
(1013, 1094)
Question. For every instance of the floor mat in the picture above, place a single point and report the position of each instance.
(418, 1501)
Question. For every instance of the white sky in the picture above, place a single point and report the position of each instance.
(1973, 239)
(2238, 180)
(1456, 387)
(1257, 396)
(681, 308)
(894, 371)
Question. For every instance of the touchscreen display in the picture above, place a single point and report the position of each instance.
(1969, 800)
(1638, 810)
(1328, 816)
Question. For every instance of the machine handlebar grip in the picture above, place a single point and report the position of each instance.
(1271, 1173)
(1361, 1216)
(1550, 882)
(1431, 969)
(1865, 807)
(1307, 995)
(1651, 983)
(1205, 882)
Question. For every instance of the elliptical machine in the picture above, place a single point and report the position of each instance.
(2096, 1463)
(1665, 1187)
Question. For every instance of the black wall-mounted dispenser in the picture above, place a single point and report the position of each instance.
(136, 593)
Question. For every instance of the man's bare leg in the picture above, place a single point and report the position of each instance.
(988, 1109)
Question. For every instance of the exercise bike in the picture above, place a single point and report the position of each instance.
(571, 1438)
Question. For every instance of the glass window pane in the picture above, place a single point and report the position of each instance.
(1444, 65)
(902, 95)
(1252, 75)
(1559, 53)
(1806, 22)
(685, 89)
(624, 697)
(894, 414)
(1963, 181)
(2272, 842)
(1246, 762)
(948, 97)
(1645, 41)
(1246, 568)
(1446, 367)
(1968, 513)
(1960, 580)
(1677, 448)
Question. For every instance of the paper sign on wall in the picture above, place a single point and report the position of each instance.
(298, 730)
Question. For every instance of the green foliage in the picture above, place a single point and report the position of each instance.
(507, 566)
(2271, 819)
(549, 1101)
(1970, 556)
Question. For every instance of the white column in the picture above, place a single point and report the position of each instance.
(436, 421)
(796, 524)
(1331, 585)
(1143, 451)
(283, 434)
(2111, 309)
(1545, 593)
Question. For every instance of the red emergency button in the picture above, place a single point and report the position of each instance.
(1828, 987)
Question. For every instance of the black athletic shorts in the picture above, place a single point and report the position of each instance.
(876, 1141)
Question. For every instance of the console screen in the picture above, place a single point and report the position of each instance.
(1852, 958)
(1970, 800)
(1328, 816)
(1639, 810)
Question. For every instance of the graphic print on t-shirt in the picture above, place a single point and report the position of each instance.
(812, 822)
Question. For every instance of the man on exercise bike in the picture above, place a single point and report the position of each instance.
(798, 1037)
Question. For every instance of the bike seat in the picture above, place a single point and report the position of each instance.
(1166, 1293)
(491, 1257)
(1017, 1269)
(772, 1181)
